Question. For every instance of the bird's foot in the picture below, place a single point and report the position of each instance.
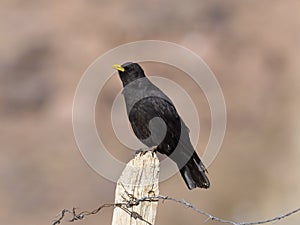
(143, 151)
(140, 151)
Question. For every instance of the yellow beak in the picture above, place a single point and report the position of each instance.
(118, 67)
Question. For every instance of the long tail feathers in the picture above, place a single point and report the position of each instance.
(193, 173)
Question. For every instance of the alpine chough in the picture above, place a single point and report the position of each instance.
(155, 122)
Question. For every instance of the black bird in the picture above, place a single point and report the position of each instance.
(156, 122)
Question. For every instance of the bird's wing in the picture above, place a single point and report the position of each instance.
(162, 115)
(166, 125)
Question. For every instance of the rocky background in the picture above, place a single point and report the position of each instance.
(252, 47)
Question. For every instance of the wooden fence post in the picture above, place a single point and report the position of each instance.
(139, 178)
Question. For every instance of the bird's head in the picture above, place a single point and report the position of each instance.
(129, 72)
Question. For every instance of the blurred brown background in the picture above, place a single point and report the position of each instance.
(252, 47)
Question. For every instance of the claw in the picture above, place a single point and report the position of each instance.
(143, 151)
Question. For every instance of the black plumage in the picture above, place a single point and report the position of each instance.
(155, 122)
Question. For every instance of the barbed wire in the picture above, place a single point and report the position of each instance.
(130, 201)
(211, 217)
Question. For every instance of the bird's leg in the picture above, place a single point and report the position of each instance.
(153, 150)
(143, 151)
